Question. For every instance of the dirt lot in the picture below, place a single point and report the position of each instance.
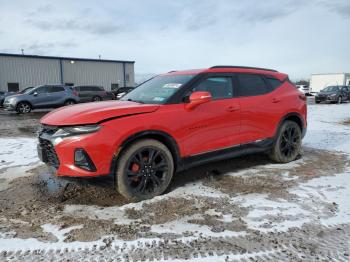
(238, 209)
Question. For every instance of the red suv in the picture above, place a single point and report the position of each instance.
(175, 121)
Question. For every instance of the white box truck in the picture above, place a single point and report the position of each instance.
(320, 81)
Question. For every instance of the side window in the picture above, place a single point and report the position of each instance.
(55, 89)
(96, 88)
(274, 83)
(41, 90)
(218, 87)
(251, 85)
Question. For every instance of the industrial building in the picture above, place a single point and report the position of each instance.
(320, 81)
(20, 71)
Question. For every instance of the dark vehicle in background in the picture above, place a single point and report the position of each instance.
(92, 93)
(333, 94)
(121, 91)
(45, 96)
(4, 94)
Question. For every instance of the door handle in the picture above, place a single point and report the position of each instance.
(232, 108)
(276, 100)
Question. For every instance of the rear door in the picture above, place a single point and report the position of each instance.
(56, 96)
(258, 107)
(85, 93)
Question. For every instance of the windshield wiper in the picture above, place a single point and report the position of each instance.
(137, 101)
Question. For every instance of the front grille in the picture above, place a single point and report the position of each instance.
(49, 152)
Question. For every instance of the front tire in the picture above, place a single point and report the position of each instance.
(287, 145)
(23, 108)
(144, 170)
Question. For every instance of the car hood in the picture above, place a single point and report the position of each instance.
(13, 95)
(92, 113)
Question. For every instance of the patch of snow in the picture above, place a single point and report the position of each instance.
(325, 130)
(332, 190)
(17, 152)
(180, 226)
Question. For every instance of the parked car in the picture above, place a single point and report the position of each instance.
(121, 91)
(45, 96)
(304, 88)
(333, 94)
(92, 93)
(176, 121)
(3, 95)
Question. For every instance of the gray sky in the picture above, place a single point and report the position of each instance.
(297, 37)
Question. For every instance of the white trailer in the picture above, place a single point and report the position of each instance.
(320, 81)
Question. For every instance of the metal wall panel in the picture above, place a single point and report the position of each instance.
(28, 71)
(93, 73)
(129, 70)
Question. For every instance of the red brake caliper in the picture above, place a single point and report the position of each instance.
(135, 168)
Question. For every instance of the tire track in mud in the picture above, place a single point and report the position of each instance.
(308, 243)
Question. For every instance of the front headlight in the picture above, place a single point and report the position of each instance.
(333, 95)
(76, 130)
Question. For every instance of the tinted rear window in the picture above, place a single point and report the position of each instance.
(54, 89)
(274, 83)
(251, 85)
(96, 88)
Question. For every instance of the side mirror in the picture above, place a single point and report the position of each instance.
(35, 93)
(198, 98)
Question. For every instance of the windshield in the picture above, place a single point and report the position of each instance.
(331, 89)
(158, 89)
(26, 91)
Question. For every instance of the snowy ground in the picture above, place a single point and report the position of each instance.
(240, 209)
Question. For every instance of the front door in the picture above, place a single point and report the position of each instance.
(214, 125)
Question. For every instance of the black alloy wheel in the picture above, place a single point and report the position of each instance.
(96, 99)
(144, 170)
(290, 141)
(287, 145)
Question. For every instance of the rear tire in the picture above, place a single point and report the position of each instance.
(144, 170)
(287, 145)
(340, 100)
(23, 108)
(96, 99)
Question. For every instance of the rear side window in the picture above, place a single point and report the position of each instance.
(54, 89)
(274, 83)
(96, 88)
(251, 85)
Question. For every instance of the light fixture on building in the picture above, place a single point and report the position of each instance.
(72, 61)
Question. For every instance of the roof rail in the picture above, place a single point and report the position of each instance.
(244, 67)
(172, 71)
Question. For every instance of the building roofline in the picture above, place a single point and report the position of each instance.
(331, 74)
(67, 58)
